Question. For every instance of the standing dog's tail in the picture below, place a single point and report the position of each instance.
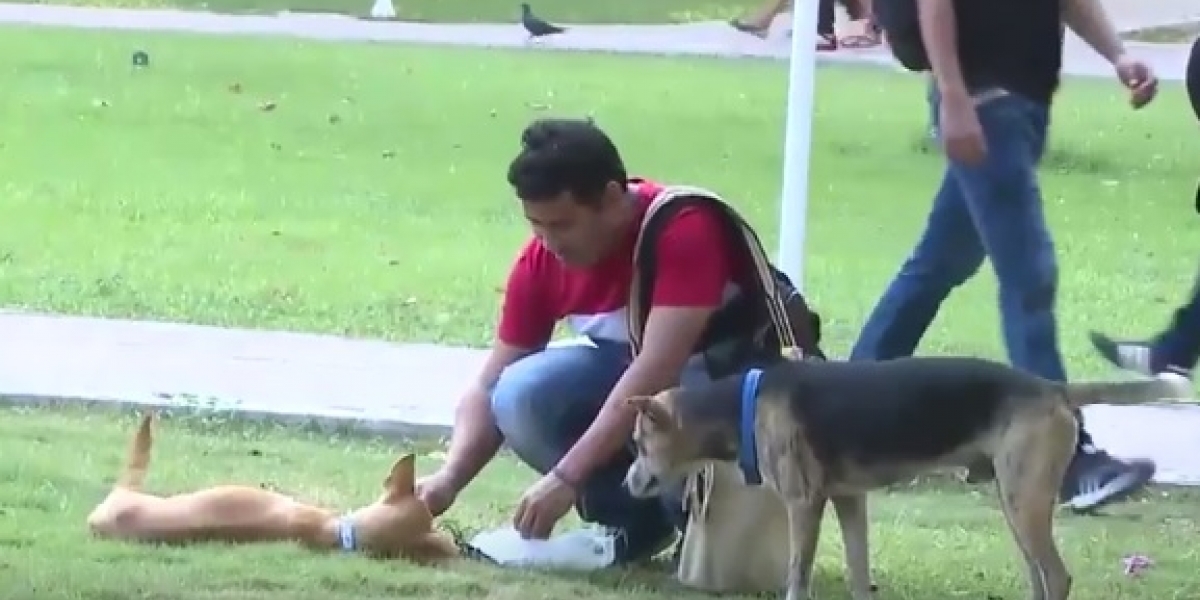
(1164, 386)
(138, 460)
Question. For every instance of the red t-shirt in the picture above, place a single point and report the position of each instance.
(698, 266)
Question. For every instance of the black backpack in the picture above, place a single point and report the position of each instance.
(902, 29)
(756, 326)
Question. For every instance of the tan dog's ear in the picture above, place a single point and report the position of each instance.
(402, 479)
(654, 411)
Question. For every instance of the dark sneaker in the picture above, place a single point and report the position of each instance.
(641, 544)
(1130, 356)
(1095, 479)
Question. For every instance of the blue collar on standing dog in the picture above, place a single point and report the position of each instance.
(748, 448)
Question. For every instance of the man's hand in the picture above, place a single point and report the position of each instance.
(959, 129)
(1139, 78)
(438, 491)
(542, 506)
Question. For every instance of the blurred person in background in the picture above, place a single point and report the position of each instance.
(1177, 348)
(865, 34)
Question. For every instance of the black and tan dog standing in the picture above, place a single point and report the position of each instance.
(832, 431)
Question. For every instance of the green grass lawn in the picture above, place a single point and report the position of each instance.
(464, 11)
(930, 541)
(371, 201)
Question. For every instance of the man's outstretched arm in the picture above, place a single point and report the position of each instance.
(526, 325)
(475, 438)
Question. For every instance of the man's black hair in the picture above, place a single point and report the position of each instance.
(565, 155)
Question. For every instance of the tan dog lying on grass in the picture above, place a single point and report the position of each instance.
(397, 525)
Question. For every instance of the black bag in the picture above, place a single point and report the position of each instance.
(902, 29)
(744, 332)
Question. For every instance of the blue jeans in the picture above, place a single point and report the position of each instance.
(993, 210)
(1179, 345)
(544, 403)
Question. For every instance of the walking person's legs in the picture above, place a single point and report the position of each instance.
(1006, 207)
(864, 33)
(997, 207)
(759, 23)
(826, 35)
(947, 255)
(1178, 347)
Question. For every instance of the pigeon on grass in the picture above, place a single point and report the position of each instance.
(535, 26)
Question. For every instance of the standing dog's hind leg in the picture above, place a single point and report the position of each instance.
(1029, 470)
(852, 519)
(804, 521)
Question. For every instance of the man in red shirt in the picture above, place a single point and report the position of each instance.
(559, 407)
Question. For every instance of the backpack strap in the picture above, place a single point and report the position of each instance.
(660, 209)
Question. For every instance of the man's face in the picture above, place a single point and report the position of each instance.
(579, 234)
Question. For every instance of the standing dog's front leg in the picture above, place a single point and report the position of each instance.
(804, 521)
(852, 518)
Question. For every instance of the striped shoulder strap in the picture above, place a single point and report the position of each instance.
(673, 194)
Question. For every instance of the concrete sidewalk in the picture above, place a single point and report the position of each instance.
(698, 39)
(389, 388)
(397, 389)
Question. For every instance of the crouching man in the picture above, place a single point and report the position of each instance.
(559, 407)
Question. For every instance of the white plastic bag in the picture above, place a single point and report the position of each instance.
(578, 550)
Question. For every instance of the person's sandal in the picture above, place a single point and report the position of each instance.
(870, 37)
(826, 42)
(757, 31)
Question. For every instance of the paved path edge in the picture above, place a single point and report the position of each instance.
(392, 429)
(386, 428)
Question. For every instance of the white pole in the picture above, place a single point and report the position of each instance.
(797, 143)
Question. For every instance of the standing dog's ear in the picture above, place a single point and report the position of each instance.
(402, 479)
(653, 411)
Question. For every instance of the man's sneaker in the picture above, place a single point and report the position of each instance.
(1095, 479)
(641, 544)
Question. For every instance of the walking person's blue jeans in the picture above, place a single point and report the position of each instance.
(994, 210)
(991, 210)
(545, 402)
(1179, 345)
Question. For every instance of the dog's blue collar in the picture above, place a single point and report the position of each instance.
(346, 534)
(748, 447)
